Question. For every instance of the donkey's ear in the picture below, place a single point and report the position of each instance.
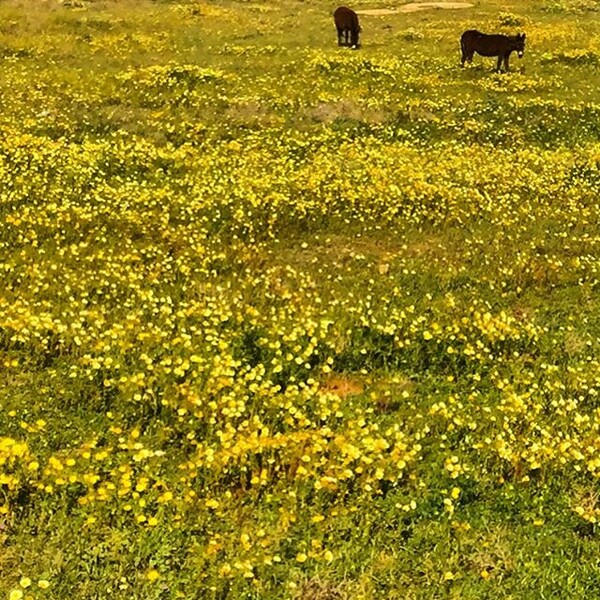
(523, 36)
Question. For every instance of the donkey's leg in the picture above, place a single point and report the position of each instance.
(506, 62)
(464, 54)
(340, 33)
(499, 65)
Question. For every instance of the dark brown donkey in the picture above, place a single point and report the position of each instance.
(501, 46)
(346, 23)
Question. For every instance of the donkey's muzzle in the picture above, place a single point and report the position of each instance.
(520, 54)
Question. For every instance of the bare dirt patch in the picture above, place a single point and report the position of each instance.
(413, 7)
(327, 112)
(343, 386)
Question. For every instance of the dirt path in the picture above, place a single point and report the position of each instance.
(413, 7)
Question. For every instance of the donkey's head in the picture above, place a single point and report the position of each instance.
(519, 44)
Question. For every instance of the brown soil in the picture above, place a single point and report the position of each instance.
(413, 7)
(343, 386)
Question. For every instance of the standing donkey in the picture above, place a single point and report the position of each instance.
(346, 23)
(498, 45)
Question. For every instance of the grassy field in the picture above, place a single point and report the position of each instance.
(285, 320)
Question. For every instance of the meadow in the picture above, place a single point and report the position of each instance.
(285, 320)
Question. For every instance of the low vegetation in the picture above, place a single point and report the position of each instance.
(280, 319)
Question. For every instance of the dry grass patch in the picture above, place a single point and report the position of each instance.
(317, 589)
(327, 112)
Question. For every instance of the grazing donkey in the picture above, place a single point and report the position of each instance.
(502, 46)
(346, 23)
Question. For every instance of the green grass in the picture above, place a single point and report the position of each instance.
(284, 320)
